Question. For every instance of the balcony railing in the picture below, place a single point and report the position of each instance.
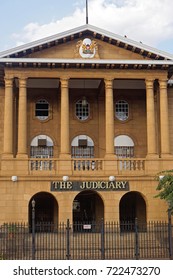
(41, 164)
(131, 164)
(85, 165)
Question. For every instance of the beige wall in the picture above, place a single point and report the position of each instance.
(95, 126)
(15, 196)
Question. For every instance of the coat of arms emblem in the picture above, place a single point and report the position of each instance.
(87, 48)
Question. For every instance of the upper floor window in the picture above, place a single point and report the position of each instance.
(82, 109)
(41, 147)
(42, 109)
(124, 146)
(122, 110)
(82, 146)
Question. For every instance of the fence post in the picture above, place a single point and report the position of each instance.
(170, 234)
(102, 239)
(68, 240)
(136, 240)
(33, 229)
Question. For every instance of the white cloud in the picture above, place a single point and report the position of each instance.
(142, 20)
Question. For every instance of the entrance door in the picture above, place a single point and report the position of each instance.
(88, 208)
(46, 209)
(132, 206)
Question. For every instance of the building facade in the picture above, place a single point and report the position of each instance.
(85, 125)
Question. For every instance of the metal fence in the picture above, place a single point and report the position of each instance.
(104, 240)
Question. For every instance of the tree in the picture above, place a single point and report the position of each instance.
(165, 186)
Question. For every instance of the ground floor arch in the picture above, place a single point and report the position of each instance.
(46, 208)
(132, 205)
(88, 207)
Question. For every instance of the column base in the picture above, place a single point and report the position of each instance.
(110, 165)
(22, 156)
(166, 156)
(152, 156)
(65, 156)
(110, 157)
(7, 156)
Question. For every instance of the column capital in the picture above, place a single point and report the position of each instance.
(8, 82)
(163, 83)
(149, 83)
(109, 83)
(23, 82)
(64, 81)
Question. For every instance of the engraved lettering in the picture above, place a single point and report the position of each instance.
(123, 184)
(69, 185)
(118, 185)
(89, 185)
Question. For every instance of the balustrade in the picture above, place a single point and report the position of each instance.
(86, 164)
(42, 164)
(131, 164)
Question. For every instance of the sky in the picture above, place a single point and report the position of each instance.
(148, 21)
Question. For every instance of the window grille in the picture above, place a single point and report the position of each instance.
(82, 152)
(41, 151)
(122, 110)
(42, 109)
(124, 151)
(82, 110)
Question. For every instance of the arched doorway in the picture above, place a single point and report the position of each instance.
(132, 205)
(88, 208)
(46, 209)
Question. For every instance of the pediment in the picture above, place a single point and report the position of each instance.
(93, 49)
(106, 51)
(64, 45)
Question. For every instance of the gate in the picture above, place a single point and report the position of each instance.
(96, 241)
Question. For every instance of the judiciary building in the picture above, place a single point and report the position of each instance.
(85, 127)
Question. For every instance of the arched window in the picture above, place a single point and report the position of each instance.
(82, 146)
(122, 110)
(124, 146)
(41, 147)
(82, 109)
(42, 109)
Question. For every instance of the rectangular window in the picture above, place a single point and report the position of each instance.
(124, 151)
(42, 109)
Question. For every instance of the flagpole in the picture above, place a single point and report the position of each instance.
(86, 11)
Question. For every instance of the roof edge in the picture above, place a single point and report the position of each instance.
(82, 28)
(42, 41)
(85, 61)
